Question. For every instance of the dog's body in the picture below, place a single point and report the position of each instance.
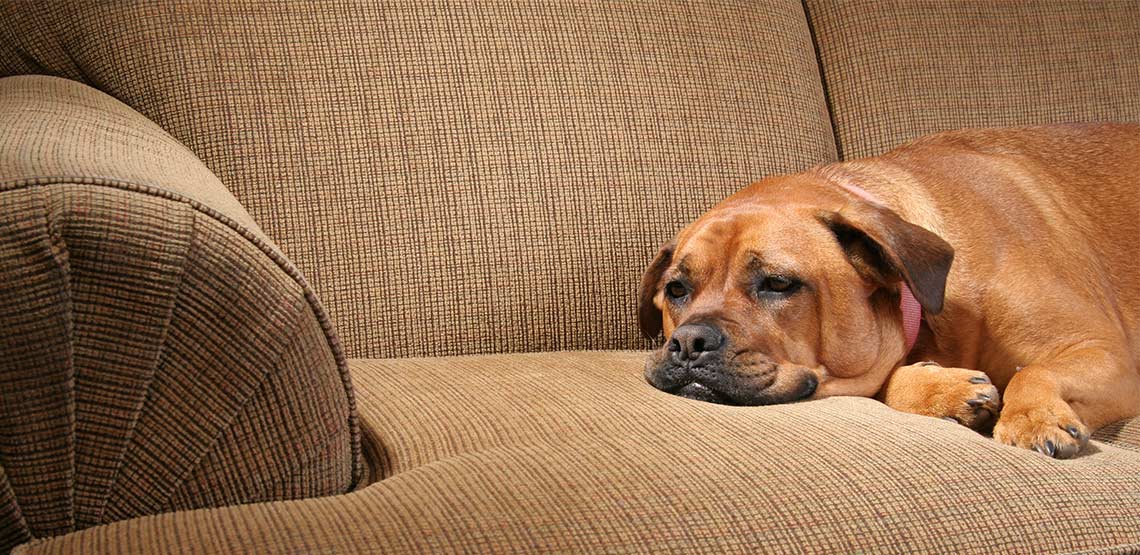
(1022, 245)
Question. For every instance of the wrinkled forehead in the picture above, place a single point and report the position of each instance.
(769, 238)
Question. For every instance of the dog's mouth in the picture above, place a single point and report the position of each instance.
(725, 384)
(699, 392)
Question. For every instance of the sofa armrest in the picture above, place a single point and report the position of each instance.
(158, 352)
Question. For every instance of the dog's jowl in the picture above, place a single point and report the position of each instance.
(991, 277)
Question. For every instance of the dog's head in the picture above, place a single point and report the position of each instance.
(787, 290)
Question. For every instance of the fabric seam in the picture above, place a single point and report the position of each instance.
(190, 239)
(822, 80)
(165, 504)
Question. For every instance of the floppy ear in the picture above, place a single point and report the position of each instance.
(885, 249)
(648, 315)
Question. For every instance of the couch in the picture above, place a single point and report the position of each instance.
(360, 276)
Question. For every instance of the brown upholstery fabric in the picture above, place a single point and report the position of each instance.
(475, 177)
(574, 453)
(157, 352)
(895, 70)
(1124, 434)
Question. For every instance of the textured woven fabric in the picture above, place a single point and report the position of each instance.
(156, 353)
(1125, 434)
(459, 178)
(896, 70)
(575, 453)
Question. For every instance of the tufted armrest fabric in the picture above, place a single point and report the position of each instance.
(157, 352)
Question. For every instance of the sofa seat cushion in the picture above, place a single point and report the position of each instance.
(422, 410)
(574, 452)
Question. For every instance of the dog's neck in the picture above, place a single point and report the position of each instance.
(908, 304)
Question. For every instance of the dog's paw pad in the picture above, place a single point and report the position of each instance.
(1053, 431)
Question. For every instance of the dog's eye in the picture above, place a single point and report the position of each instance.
(778, 284)
(676, 290)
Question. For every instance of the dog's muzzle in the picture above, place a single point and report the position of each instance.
(696, 364)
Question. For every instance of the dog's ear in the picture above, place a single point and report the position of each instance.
(648, 315)
(885, 249)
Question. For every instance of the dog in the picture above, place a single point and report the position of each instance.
(979, 275)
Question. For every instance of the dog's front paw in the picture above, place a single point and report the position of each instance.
(968, 398)
(957, 394)
(1051, 428)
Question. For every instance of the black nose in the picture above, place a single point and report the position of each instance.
(691, 341)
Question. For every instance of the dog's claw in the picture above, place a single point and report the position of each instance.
(1053, 434)
(978, 402)
(1049, 449)
(980, 379)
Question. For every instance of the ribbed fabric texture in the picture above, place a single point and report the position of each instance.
(157, 354)
(574, 453)
(896, 70)
(460, 178)
(468, 178)
(1125, 434)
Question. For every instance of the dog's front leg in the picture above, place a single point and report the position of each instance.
(964, 396)
(1054, 404)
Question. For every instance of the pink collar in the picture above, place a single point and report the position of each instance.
(908, 304)
(911, 314)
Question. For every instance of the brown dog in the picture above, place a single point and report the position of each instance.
(1022, 247)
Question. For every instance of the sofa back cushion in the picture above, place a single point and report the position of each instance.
(459, 178)
(895, 70)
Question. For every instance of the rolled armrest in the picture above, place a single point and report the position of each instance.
(157, 351)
